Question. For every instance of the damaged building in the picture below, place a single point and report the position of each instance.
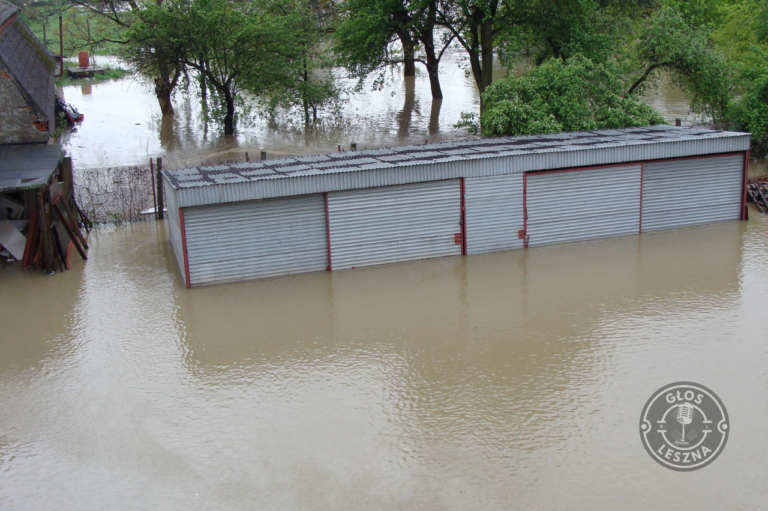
(38, 219)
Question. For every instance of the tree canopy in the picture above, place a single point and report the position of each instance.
(576, 94)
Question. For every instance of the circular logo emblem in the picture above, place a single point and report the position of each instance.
(684, 426)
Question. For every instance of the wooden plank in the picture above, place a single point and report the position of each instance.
(74, 225)
(32, 235)
(69, 231)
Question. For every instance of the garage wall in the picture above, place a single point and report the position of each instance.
(494, 213)
(255, 239)
(583, 204)
(677, 193)
(174, 226)
(394, 223)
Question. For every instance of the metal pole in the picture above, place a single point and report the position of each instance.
(152, 179)
(160, 189)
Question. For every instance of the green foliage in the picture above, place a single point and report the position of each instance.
(668, 44)
(309, 84)
(698, 12)
(742, 36)
(365, 36)
(234, 46)
(110, 73)
(562, 28)
(572, 95)
(750, 113)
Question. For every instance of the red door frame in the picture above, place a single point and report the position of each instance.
(328, 231)
(743, 214)
(184, 247)
(463, 221)
(745, 181)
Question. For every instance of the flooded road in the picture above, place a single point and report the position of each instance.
(512, 380)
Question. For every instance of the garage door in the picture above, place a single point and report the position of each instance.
(494, 213)
(394, 223)
(687, 192)
(582, 204)
(254, 239)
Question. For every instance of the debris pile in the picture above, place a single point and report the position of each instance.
(757, 190)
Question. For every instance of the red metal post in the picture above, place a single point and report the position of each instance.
(525, 210)
(328, 231)
(745, 182)
(642, 170)
(184, 248)
(463, 219)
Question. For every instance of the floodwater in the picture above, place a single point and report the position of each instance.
(123, 124)
(512, 380)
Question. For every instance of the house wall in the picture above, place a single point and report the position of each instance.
(17, 126)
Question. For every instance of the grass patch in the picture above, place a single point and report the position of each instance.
(111, 73)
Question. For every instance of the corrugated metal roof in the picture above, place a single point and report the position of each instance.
(27, 166)
(29, 63)
(404, 164)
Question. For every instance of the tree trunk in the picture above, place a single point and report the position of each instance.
(486, 49)
(163, 91)
(409, 65)
(229, 118)
(433, 63)
(165, 82)
(306, 111)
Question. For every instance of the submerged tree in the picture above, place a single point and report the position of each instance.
(106, 22)
(366, 37)
(309, 83)
(476, 25)
(684, 53)
(234, 46)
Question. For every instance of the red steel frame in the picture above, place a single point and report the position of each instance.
(743, 215)
(745, 180)
(184, 247)
(525, 210)
(642, 170)
(463, 218)
(328, 231)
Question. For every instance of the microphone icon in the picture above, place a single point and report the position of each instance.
(684, 416)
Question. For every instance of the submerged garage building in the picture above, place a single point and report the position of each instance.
(345, 210)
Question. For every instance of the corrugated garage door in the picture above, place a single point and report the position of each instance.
(688, 192)
(394, 223)
(583, 204)
(254, 239)
(494, 213)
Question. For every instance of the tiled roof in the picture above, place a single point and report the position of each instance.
(6, 10)
(404, 156)
(29, 63)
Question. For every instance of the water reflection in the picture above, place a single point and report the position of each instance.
(123, 124)
(507, 380)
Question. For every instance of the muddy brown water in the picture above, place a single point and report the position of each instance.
(512, 380)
